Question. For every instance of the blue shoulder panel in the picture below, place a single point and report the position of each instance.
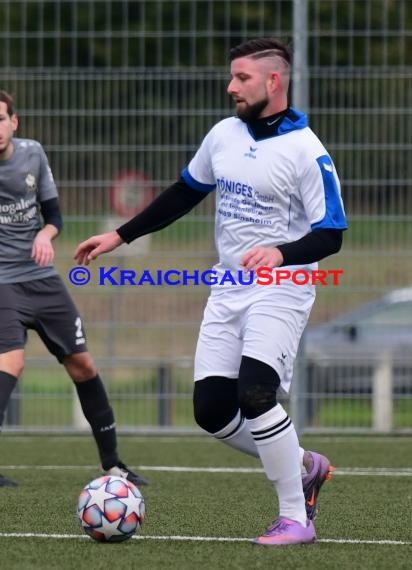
(334, 216)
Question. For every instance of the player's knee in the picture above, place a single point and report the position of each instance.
(80, 366)
(256, 400)
(215, 402)
(15, 370)
(12, 362)
(258, 383)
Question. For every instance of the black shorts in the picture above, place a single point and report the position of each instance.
(45, 306)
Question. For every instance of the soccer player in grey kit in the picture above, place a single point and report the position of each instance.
(32, 295)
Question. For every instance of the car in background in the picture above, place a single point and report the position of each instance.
(343, 354)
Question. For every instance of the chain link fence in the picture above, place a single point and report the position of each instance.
(120, 93)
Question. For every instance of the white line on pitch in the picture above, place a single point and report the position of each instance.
(344, 471)
(202, 538)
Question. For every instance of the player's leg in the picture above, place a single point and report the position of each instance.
(9, 367)
(217, 359)
(60, 327)
(233, 430)
(216, 401)
(99, 413)
(278, 447)
(228, 426)
(274, 324)
(317, 470)
(12, 341)
(282, 315)
(215, 398)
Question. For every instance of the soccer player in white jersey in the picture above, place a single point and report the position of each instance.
(32, 295)
(278, 204)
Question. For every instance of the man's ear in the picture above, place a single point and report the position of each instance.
(14, 122)
(274, 81)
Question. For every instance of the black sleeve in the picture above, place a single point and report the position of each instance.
(170, 205)
(50, 211)
(312, 247)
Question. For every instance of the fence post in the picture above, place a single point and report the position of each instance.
(164, 400)
(382, 394)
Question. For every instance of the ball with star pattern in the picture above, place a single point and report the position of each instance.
(110, 509)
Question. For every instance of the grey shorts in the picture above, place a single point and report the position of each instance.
(43, 305)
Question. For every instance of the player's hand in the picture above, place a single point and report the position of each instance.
(42, 250)
(95, 246)
(261, 257)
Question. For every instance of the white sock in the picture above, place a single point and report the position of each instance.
(278, 447)
(237, 435)
(303, 470)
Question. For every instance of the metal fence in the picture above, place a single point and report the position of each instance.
(120, 93)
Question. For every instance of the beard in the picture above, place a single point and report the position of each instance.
(252, 112)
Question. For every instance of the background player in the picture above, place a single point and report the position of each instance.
(278, 203)
(32, 295)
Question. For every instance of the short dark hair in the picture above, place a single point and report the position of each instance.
(262, 47)
(8, 99)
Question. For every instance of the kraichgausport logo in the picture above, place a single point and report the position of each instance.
(264, 276)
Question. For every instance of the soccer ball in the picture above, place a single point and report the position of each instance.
(110, 509)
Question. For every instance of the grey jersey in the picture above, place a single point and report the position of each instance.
(25, 181)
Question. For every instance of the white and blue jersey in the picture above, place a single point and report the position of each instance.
(269, 191)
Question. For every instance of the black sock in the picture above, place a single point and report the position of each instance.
(99, 414)
(7, 385)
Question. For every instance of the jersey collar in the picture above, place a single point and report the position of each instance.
(278, 124)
